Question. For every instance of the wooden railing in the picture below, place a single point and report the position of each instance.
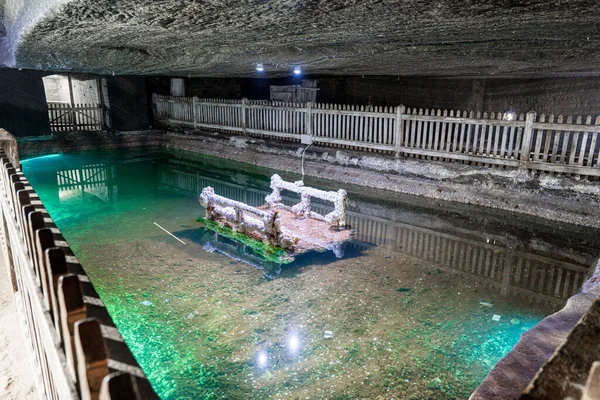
(65, 117)
(77, 352)
(557, 144)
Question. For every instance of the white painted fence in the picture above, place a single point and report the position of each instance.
(65, 117)
(550, 143)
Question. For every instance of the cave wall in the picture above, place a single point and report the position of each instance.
(23, 110)
(577, 95)
(568, 96)
(129, 106)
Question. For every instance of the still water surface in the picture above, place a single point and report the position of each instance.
(411, 310)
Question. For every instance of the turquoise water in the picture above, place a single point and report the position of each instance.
(409, 311)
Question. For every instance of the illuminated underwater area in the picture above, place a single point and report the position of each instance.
(408, 312)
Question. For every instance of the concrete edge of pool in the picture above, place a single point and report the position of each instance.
(555, 199)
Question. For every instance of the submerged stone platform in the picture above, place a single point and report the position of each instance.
(313, 234)
(277, 231)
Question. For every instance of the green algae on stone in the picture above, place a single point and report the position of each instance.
(266, 251)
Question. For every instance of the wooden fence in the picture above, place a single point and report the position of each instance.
(77, 351)
(538, 278)
(65, 117)
(555, 144)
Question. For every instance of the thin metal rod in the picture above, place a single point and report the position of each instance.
(169, 233)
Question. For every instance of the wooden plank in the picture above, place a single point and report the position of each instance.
(119, 386)
(71, 309)
(462, 156)
(567, 127)
(368, 145)
(592, 150)
(278, 134)
(419, 128)
(566, 141)
(91, 357)
(526, 138)
(537, 137)
(564, 168)
(584, 142)
(485, 121)
(557, 137)
(574, 143)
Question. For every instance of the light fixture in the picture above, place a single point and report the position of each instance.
(297, 70)
(510, 114)
(260, 67)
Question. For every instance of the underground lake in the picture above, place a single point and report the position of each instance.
(426, 299)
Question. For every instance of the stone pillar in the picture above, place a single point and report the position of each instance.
(177, 87)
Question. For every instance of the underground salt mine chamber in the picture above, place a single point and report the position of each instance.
(319, 200)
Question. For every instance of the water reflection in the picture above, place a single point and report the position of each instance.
(500, 260)
(407, 312)
(539, 270)
(96, 180)
(212, 241)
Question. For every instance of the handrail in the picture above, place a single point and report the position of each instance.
(268, 225)
(552, 143)
(336, 218)
(69, 350)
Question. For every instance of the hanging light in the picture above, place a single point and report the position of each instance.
(297, 70)
(260, 67)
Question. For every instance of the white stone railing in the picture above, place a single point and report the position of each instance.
(244, 218)
(336, 218)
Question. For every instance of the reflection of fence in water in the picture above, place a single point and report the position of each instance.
(96, 179)
(515, 273)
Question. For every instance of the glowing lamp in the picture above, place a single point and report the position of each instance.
(510, 114)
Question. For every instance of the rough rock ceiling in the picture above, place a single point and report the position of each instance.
(326, 37)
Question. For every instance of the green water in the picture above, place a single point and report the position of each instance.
(406, 313)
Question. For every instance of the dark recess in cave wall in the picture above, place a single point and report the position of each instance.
(23, 109)
(128, 103)
(577, 95)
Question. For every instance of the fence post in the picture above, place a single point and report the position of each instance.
(244, 117)
(71, 309)
(307, 137)
(399, 131)
(526, 141)
(119, 385)
(194, 111)
(92, 361)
